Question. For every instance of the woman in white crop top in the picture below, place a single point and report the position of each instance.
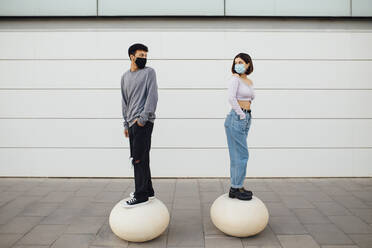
(237, 123)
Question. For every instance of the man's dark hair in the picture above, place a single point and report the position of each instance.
(247, 59)
(133, 48)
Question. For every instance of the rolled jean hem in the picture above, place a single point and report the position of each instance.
(236, 187)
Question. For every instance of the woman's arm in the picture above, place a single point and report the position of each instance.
(232, 89)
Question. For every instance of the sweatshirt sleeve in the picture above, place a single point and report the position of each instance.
(232, 90)
(151, 100)
(124, 104)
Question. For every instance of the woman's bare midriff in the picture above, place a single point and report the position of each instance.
(245, 104)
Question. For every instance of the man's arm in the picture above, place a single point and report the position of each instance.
(124, 103)
(151, 100)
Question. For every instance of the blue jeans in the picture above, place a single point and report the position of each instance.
(237, 132)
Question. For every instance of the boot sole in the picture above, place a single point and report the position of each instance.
(243, 199)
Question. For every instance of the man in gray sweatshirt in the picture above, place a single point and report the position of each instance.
(139, 92)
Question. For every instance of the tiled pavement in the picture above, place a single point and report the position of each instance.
(304, 213)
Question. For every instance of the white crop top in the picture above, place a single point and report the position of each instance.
(239, 90)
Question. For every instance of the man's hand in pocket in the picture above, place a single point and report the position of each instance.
(139, 124)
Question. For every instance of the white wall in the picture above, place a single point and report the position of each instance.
(60, 106)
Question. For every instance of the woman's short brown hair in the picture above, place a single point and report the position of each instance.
(247, 59)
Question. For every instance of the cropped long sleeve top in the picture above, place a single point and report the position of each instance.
(239, 90)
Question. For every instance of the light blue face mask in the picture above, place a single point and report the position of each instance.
(239, 68)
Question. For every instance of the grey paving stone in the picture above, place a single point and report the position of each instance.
(362, 240)
(210, 185)
(348, 184)
(335, 190)
(38, 191)
(295, 241)
(222, 241)
(296, 202)
(159, 242)
(56, 196)
(264, 238)
(7, 196)
(30, 246)
(106, 237)
(340, 246)
(97, 209)
(267, 196)
(185, 228)
(82, 206)
(209, 196)
(332, 208)
(318, 196)
(110, 197)
(73, 240)
(255, 185)
(86, 225)
(87, 192)
(7, 240)
(61, 216)
(363, 195)
(363, 213)
(117, 186)
(6, 214)
(263, 246)
(286, 225)
(20, 225)
(76, 202)
(24, 186)
(278, 209)
(351, 224)
(328, 234)
(191, 202)
(20, 202)
(42, 235)
(185, 235)
(165, 196)
(310, 216)
(185, 246)
(209, 228)
(350, 201)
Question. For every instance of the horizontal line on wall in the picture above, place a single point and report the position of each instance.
(185, 30)
(183, 89)
(172, 59)
(184, 148)
(182, 118)
(205, 23)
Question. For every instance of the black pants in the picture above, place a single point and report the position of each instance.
(140, 144)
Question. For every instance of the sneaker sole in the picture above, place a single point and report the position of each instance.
(125, 205)
(150, 198)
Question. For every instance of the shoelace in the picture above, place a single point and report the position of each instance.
(132, 200)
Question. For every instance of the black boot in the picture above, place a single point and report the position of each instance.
(240, 194)
(247, 191)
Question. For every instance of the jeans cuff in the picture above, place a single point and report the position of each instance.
(236, 186)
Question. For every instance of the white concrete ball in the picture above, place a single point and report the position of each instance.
(140, 223)
(239, 218)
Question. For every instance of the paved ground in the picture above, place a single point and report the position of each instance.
(304, 213)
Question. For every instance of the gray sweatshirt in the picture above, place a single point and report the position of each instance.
(139, 92)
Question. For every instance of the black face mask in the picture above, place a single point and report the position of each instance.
(140, 62)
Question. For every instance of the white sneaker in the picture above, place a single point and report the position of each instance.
(132, 196)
